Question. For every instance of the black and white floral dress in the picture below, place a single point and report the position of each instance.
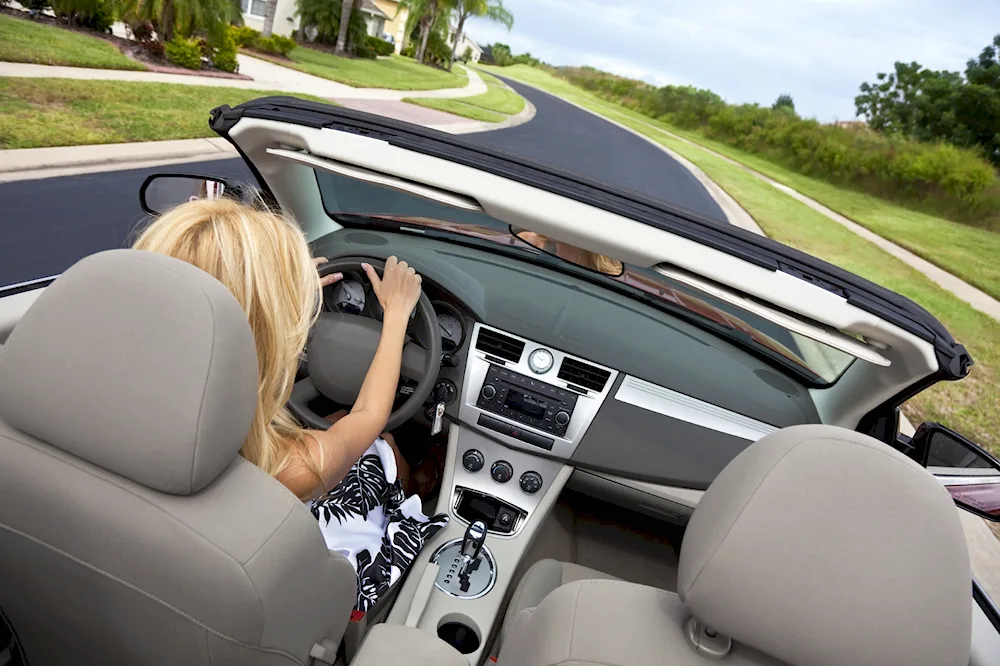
(369, 520)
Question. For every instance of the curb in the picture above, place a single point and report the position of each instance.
(37, 163)
(526, 114)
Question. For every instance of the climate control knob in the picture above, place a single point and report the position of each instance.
(473, 460)
(501, 471)
(489, 391)
(562, 418)
(531, 482)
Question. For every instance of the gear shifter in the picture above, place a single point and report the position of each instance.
(472, 544)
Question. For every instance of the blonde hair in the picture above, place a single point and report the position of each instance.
(263, 259)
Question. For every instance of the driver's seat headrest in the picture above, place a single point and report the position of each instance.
(136, 362)
(819, 545)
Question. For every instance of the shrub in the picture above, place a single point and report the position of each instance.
(438, 52)
(184, 53)
(144, 33)
(364, 50)
(36, 5)
(410, 51)
(283, 45)
(154, 48)
(275, 44)
(380, 46)
(223, 54)
(243, 35)
(94, 14)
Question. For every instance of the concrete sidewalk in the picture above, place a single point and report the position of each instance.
(265, 75)
(36, 163)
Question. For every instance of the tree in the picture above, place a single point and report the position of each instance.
(933, 105)
(323, 16)
(497, 54)
(784, 101)
(492, 10)
(426, 23)
(346, 9)
(269, 11)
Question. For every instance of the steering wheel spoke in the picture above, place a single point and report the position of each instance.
(342, 347)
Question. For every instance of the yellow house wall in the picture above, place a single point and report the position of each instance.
(396, 25)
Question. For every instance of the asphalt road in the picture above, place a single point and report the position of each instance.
(568, 137)
(47, 225)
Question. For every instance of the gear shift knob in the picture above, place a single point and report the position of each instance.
(475, 537)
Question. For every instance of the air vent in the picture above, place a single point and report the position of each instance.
(500, 345)
(583, 374)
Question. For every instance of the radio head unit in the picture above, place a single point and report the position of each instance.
(527, 400)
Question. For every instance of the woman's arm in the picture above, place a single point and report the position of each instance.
(335, 450)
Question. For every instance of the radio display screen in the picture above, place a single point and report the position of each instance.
(525, 404)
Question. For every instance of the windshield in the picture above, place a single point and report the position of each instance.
(353, 202)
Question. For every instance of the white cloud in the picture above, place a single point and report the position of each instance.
(817, 50)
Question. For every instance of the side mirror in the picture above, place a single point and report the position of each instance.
(969, 472)
(162, 191)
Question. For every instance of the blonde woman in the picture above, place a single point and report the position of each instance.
(263, 259)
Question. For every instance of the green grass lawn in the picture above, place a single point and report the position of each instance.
(458, 107)
(35, 113)
(969, 405)
(22, 40)
(493, 106)
(397, 72)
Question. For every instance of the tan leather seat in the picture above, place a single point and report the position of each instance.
(542, 578)
(131, 532)
(817, 546)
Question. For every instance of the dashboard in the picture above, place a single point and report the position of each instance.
(562, 369)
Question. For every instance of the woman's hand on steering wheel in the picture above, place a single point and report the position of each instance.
(327, 280)
(398, 290)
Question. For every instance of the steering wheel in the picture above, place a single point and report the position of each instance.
(341, 348)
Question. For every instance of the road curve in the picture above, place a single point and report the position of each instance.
(571, 138)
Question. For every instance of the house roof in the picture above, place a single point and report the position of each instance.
(368, 7)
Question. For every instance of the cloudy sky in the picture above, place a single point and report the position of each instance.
(752, 50)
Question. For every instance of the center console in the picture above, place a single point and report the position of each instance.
(523, 409)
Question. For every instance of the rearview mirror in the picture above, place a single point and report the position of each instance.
(969, 473)
(163, 191)
(571, 253)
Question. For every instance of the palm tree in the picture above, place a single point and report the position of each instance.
(347, 6)
(180, 16)
(492, 10)
(269, 11)
(426, 22)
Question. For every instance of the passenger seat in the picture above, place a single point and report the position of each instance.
(816, 546)
(542, 578)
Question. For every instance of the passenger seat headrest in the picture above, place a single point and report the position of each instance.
(136, 362)
(820, 546)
